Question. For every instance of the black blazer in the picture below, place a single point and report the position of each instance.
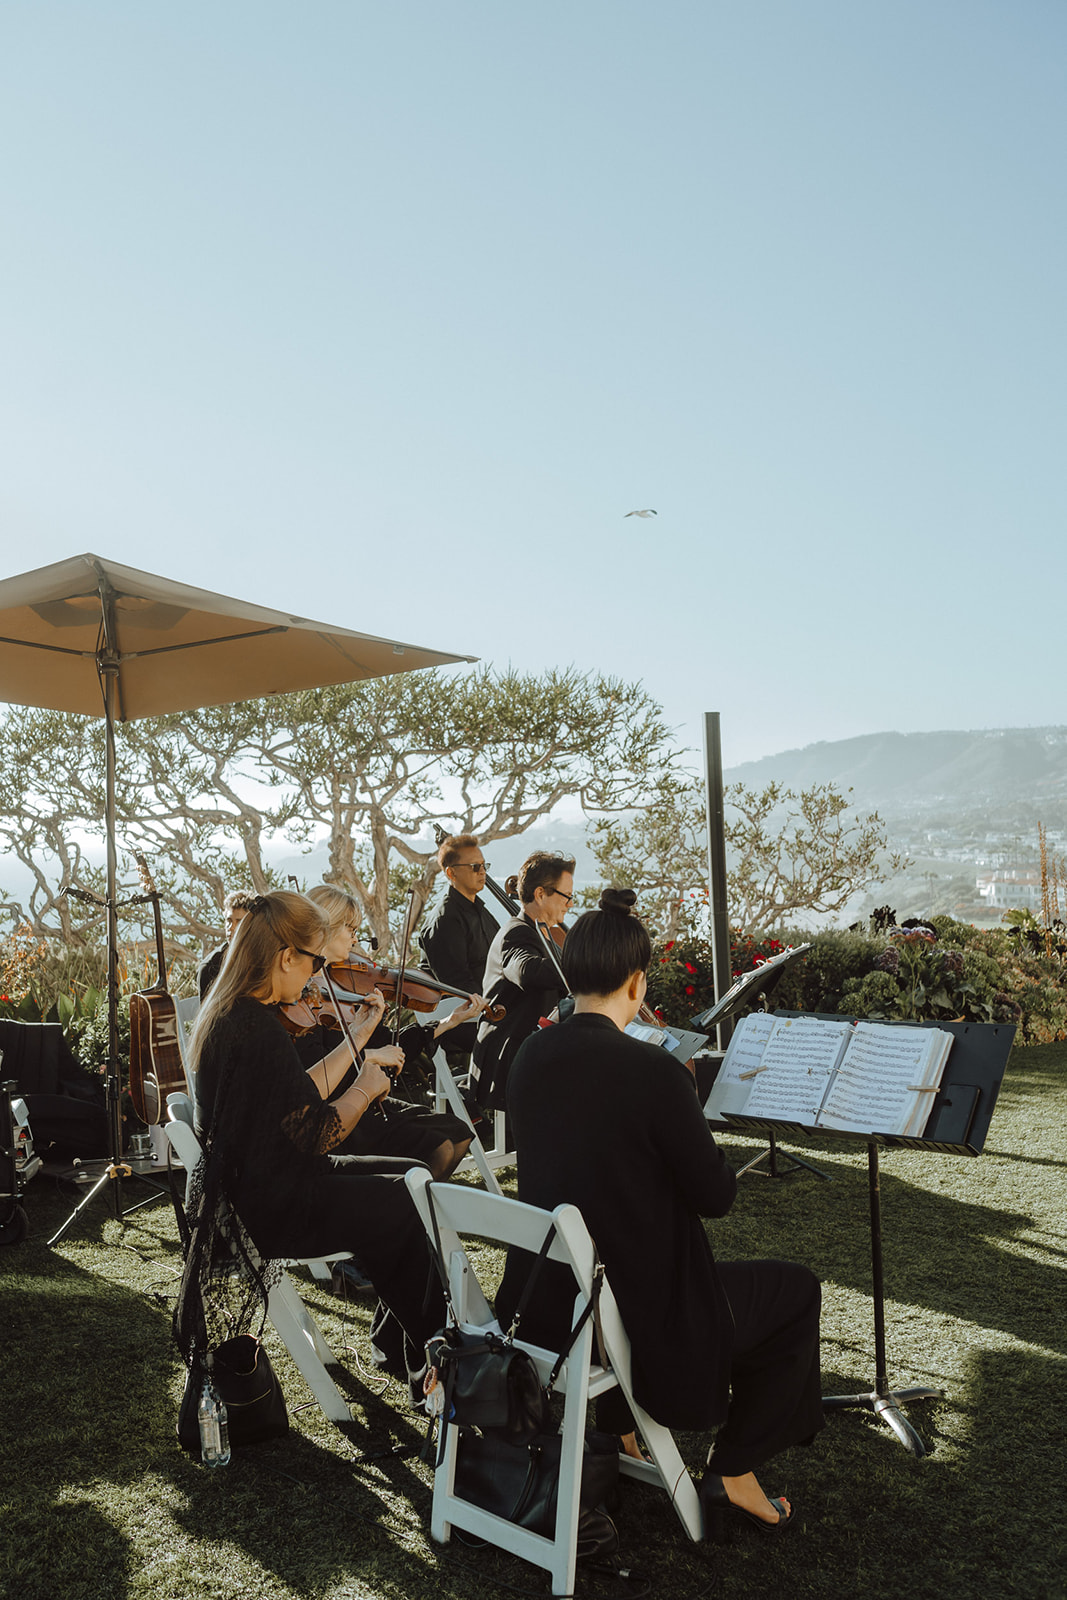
(521, 977)
(615, 1127)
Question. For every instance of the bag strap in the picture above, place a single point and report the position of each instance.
(438, 1253)
(591, 1309)
(177, 1202)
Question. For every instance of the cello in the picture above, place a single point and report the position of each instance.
(156, 1066)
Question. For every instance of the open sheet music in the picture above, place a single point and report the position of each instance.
(864, 1077)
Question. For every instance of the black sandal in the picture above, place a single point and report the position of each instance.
(719, 1509)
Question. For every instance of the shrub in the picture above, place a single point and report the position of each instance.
(929, 971)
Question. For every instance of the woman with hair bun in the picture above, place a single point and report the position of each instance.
(614, 1126)
(519, 973)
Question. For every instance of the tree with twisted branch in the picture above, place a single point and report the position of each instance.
(787, 853)
(369, 767)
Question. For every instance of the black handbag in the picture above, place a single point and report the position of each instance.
(488, 1382)
(522, 1485)
(508, 1455)
(248, 1387)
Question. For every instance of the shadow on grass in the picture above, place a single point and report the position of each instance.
(950, 1254)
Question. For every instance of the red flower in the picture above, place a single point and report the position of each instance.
(690, 989)
(670, 944)
(689, 967)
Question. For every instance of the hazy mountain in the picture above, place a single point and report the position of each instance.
(903, 774)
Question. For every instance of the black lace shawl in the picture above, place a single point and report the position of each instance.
(265, 1132)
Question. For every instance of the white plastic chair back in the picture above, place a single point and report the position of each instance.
(460, 1210)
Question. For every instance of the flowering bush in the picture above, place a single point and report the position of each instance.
(923, 970)
(681, 979)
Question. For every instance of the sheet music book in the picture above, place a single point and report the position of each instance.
(867, 1077)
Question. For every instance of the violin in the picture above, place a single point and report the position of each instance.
(317, 1010)
(419, 991)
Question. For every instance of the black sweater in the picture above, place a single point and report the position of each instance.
(615, 1127)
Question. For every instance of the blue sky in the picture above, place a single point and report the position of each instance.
(389, 314)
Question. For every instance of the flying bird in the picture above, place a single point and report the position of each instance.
(641, 513)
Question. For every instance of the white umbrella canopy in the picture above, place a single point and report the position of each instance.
(169, 647)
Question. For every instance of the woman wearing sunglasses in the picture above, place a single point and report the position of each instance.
(270, 1185)
(520, 975)
(439, 1139)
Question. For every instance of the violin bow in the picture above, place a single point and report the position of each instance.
(550, 950)
(402, 964)
(357, 1054)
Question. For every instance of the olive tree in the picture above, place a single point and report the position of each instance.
(367, 767)
(787, 852)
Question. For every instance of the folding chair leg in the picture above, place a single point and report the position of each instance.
(303, 1338)
(666, 1471)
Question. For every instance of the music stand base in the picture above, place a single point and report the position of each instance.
(772, 1155)
(886, 1408)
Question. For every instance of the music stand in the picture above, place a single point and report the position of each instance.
(760, 982)
(957, 1125)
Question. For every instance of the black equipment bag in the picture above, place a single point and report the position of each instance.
(522, 1484)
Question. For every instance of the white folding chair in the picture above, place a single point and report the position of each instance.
(291, 1319)
(185, 1010)
(478, 1159)
(486, 1162)
(462, 1210)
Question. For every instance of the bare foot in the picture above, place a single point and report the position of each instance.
(746, 1493)
(630, 1446)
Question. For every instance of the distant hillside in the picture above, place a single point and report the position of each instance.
(903, 774)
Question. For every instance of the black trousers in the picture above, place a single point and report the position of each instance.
(775, 1381)
(363, 1206)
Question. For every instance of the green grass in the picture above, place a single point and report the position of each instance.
(98, 1501)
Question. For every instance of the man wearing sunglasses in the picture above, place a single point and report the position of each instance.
(457, 937)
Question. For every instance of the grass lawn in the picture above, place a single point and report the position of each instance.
(98, 1500)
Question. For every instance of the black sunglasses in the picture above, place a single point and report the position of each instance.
(317, 962)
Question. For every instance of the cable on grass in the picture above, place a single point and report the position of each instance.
(639, 1587)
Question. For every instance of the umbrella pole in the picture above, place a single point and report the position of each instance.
(109, 670)
(107, 663)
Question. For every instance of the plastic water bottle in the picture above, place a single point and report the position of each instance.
(214, 1428)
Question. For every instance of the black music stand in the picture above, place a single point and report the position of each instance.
(957, 1125)
(758, 984)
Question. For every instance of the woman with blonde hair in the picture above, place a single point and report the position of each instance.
(271, 1184)
(439, 1139)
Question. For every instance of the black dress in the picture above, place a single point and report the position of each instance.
(404, 1129)
(521, 977)
(294, 1200)
(615, 1126)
